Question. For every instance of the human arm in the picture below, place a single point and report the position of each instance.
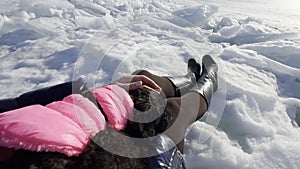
(43, 96)
(132, 82)
(58, 92)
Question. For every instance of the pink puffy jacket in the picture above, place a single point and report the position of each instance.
(65, 126)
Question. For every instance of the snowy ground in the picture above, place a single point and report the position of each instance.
(256, 44)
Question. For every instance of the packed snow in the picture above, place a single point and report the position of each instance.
(254, 118)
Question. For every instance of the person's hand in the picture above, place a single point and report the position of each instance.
(132, 82)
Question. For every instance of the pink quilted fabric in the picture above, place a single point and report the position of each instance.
(82, 111)
(41, 129)
(65, 126)
(116, 104)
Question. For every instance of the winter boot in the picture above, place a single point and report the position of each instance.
(182, 84)
(208, 82)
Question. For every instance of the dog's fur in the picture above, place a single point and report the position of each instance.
(94, 156)
(150, 117)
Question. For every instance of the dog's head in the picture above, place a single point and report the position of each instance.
(150, 117)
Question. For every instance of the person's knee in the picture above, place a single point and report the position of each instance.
(181, 114)
(173, 106)
(177, 126)
(142, 72)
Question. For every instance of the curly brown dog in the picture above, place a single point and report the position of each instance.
(94, 156)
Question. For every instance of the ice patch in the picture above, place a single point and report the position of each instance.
(234, 54)
(94, 22)
(285, 52)
(49, 26)
(251, 32)
(32, 5)
(41, 10)
(287, 78)
(1, 22)
(89, 7)
(12, 23)
(197, 16)
(225, 22)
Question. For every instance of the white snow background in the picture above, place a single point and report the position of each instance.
(256, 44)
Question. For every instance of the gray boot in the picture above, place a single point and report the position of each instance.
(182, 84)
(208, 82)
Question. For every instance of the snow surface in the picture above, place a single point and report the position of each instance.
(256, 44)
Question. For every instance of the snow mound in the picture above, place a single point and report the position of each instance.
(197, 16)
(244, 33)
(43, 43)
(285, 52)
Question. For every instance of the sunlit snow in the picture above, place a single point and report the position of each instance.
(256, 44)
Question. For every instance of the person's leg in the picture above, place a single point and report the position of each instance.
(193, 105)
(188, 108)
(176, 86)
(44, 96)
(184, 111)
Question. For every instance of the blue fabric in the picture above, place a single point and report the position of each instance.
(171, 159)
(8, 104)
